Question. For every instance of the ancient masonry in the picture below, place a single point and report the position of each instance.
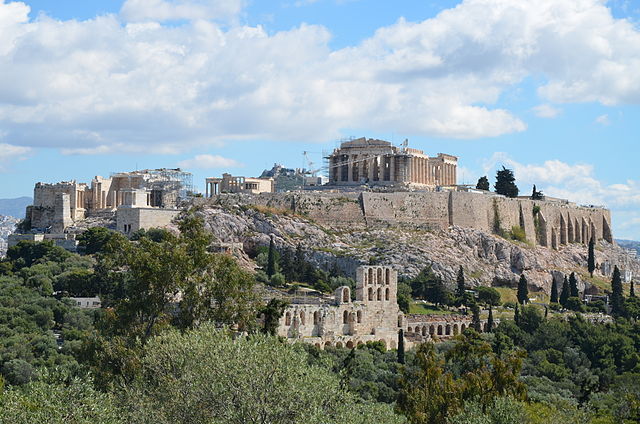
(373, 316)
(378, 162)
(140, 199)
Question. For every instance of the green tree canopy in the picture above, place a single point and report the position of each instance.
(505, 183)
(483, 183)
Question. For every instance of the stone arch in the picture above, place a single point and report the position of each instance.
(439, 330)
(578, 232)
(424, 330)
(447, 330)
(463, 327)
(360, 343)
(317, 345)
(409, 330)
(350, 344)
(387, 276)
(554, 239)
(432, 330)
(386, 294)
(379, 294)
(371, 276)
(379, 276)
(485, 327)
(339, 345)
(370, 293)
(585, 232)
(359, 316)
(400, 321)
(316, 317)
(287, 318)
(593, 231)
(455, 329)
(606, 230)
(345, 317)
(302, 317)
(327, 344)
(346, 296)
(570, 234)
(542, 232)
(563, 230)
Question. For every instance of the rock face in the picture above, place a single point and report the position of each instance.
(486, 258)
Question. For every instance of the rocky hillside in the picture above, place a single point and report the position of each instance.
(486, 258)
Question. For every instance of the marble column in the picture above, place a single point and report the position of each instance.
(350, 168)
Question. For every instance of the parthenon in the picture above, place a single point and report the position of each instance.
(372, 161)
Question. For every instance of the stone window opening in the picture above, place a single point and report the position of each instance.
(359, 316)
(345, 317)
(379, 294)
(302, 321)
(409, 330)
(447, 330)
(386, 294)
(316, 317)
(370, 275)
(399, 321)
(387, 276)
(380, 281)
(439, 330)
(345, 295)
(370, 293)
(350, 344)
(287, 318)
(432, 330)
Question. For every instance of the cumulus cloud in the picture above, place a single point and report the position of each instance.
(171, 10)
(546, 111)
(209, 162)
(130, 80)
(9, 154)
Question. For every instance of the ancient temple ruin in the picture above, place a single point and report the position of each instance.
(378, 162)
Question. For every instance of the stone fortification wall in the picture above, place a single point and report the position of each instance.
(130, 220)
(544, 223)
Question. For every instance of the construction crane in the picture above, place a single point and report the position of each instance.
(309, 165)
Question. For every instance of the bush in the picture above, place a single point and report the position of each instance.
(278, 280)
(517, 233)
(488, 295)
(511, 305)
(18, 372)
(554, 306)
(575, 304)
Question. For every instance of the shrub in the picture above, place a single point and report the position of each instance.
(517, 233)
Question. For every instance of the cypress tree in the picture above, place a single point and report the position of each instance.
(490, 319)
(477, 325)
(401, 346)
(271, 263)
(566, 292)
(617, 297)
(573, 285)
(591, 260)
(631, 291)
(554, 291)
(523, 290)
(460, 280)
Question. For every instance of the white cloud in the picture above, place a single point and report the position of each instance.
(170, 10)
(603, 120)
(546, 111)
(87, 86)
(209, 162)
(10, 154)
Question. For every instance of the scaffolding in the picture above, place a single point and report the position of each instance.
(163, 179)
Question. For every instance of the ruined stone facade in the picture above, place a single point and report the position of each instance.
(545, 223)
(58, 206)
(374, 315)
(378, 162)
(230, 184)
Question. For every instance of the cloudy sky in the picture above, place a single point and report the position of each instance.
(550, 88)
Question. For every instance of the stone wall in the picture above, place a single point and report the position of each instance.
(130, 220)
(546, 223)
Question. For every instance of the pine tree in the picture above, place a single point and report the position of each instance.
(483, 183)
(565, 293)
(401, 346)
(631, 291)
(460, 291)
(591, 260)
(523, 290)
(554, 291)
(490, 320)
(516, 315)
(536, 195)
(617, 297)
(505, 183)
(573, 286)
(271, 263)
(475, 322)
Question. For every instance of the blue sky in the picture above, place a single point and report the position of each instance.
(549, 88)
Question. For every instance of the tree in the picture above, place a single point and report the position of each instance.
(94, 239)
(208, 376)
(536, 195)
(632, 292)
(401, 347)
(516, 315)
(565, 293)
(554, 291)
(272, 313)
(523, 290)
(505, 183)
(271, 264)
(483, 183)
(490, 324)
(573, 286)
(617, 297)
(403, 297)
(591, 260)
(460, 290)
(488, 296)
(475, 321)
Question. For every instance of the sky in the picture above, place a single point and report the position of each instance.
(548, 88)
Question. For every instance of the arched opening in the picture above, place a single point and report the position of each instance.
(316, 317)
(570, 235)
(432, 330)
(439, 330)
(339, 345)
(345, 317)
(387, 276)
(302, 320)
(287, 318)
(455, 329)
(400, 321)
(327, 344)
(463, 327)
(447, 330)
(370, 293)
(485, 327)
(371, 276)
(359, 316)
(380, 276)
(345, 295)
(386, 294)
(360, 344)
(563, 230)
(379, 294)
(424, 331)
(350, 344)
(409, 330)
(317, 345)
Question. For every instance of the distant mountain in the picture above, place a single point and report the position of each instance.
(14, 207)
(629, 244)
